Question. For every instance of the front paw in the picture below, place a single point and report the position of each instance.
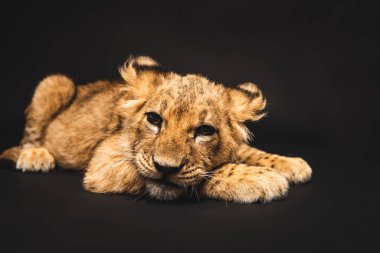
(246, 184)
(35, 159)
(295, 169)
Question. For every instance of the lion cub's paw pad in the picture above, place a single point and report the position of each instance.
(35, 159)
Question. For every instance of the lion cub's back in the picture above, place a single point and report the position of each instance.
(72, 136)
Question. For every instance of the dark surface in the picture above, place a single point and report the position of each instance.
(316, 62)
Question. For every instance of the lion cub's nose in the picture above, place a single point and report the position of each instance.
(164, 169)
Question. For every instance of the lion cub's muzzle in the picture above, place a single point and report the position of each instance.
(167, 170)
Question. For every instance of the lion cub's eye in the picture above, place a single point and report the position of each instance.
(154, 118)
(204, 130)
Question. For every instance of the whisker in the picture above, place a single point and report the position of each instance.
(145, 192)
(196, 193)
(205, 177)
(185, 190)
(209, 177)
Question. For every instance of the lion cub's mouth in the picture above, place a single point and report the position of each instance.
(162, 189)
(164, 182)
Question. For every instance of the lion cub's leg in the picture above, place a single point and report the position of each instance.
(295, 169)
(110, 171)
(245, 184)
(51, 95)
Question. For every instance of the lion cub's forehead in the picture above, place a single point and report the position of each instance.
(191, 89)
(189, 96)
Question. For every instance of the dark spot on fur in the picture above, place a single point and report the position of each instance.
(164, 105)
(170, 94)
(209, 101)
(251, 95)
(155, 68)
(217, 182)
(202, 115)
(230, 174)
(180, 111)
(216, 148)
(229, 123)
(119, 125)
(263, 193)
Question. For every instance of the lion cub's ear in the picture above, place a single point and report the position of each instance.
(134, 66)
(140, 75)
(248, 102)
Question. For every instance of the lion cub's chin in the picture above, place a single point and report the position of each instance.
(162, 191)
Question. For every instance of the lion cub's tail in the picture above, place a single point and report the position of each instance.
(11, 154)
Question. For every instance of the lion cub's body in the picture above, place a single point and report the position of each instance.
(155, 132)
(74, 133)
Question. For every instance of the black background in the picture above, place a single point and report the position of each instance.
(317, 62)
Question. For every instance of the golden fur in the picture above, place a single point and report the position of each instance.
(154, 132)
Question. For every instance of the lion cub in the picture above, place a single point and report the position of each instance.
(155, 132)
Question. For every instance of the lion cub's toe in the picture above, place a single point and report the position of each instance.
(295, 169)
(35, 159)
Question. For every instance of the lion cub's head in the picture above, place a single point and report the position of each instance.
(182, 126)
